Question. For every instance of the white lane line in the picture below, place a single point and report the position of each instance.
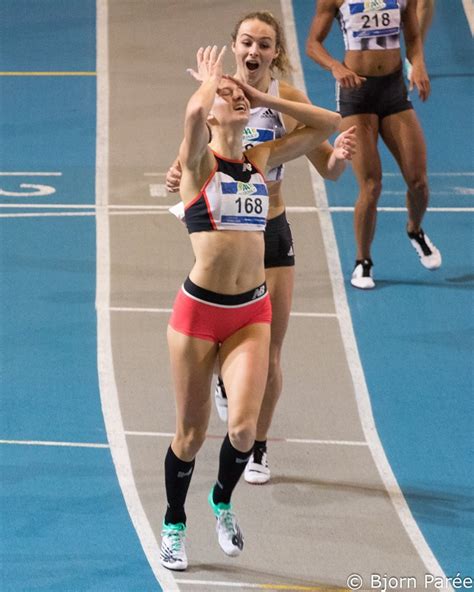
(47, 214)
(284, 440)
(29, 174)
(440, 174)
(161, 213)
(350, 344)
(401, 209)
(469, 10)
(52, 443)
(83, 206)
(267, 586)
(164, 208)
(108, 387)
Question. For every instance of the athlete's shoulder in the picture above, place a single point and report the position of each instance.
(291, 93)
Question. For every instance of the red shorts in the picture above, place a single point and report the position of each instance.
(215, 317)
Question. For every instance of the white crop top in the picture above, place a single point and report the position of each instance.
(371, 24)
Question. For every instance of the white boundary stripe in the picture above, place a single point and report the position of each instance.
(108, 387)
(169, 310)
(350, 344)
(21, 174)
(287, 440)
(47, 214)
(458, 174)
(336, 209)
(83, 206)
(254, 586)
(469, 10)
(46, 443)
(164, 209)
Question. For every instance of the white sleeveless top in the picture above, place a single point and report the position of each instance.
(371, 24)
(265, 125)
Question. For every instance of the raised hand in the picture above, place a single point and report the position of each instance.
(209, 63)
(256, 97)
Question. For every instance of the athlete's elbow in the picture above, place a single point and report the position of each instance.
(195, 112)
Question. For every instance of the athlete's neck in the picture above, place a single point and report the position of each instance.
(227, 143)
(261, 83)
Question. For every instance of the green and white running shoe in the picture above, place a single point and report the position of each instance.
(229, 534)
(173, 553)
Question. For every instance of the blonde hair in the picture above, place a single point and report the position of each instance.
(282, 61)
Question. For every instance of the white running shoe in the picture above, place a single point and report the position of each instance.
(429, 255)
(229, 534)
(173, 553)
(220, 398)
(362, 275)
(257, 471)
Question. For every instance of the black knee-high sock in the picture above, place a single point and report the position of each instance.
(178, 475)
(231, 466)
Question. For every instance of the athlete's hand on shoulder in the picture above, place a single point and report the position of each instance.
(419, 78)
(256, 97)
(173, 177)
(345, 144)
(347, 78)
(209, 63)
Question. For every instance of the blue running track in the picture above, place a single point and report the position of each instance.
(415, 330)
(65, 525)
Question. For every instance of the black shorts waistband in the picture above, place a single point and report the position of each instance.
(204, 295)
(277, 222)
(386, 77)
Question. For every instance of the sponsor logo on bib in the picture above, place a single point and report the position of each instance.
(250, 133)
(374, 4)
(246, 188)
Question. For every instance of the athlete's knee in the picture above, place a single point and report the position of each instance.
(188, 440)
(370, 190)
(242, 435)
(418, 186)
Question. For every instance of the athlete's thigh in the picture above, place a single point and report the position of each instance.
(366, 161)
(280, 283)
(192, 362)
(244, 367)
(404, 137)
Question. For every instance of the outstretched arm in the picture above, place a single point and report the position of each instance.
(317, 125)
(196, 134)
(331, 161)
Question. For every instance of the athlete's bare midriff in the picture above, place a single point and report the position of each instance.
(371, 62)
(228, 261)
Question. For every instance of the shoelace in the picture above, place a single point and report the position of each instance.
(228, 519)
(176, 539)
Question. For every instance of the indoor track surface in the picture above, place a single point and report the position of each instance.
(371, 447)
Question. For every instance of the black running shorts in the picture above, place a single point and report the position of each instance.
(279, 243)
(381, 95)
